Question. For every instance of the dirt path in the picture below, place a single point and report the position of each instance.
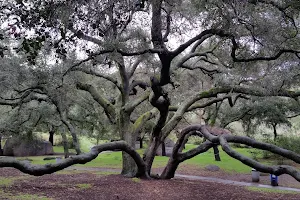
(91, 185)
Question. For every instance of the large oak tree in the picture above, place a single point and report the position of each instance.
(229, 41)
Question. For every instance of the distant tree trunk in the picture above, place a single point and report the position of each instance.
(60, 107)
(275, 131)
(1, 151)
(65, 144)
(216, 153)
(72, 131)
(51, 135)
(141, 142)
(213, 121)
(98, 139)
(163, 149)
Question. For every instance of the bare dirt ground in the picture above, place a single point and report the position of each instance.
(93, 185)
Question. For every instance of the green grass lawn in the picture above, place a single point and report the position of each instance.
(269, 190)
(114, 160)
(227, 163)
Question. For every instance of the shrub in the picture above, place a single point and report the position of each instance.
(195, 140)
(291, 143)
(255, 153)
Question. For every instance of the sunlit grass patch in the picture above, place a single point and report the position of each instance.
(20, 196)
(137, 180)
(105, 173)
(71, 172)
(5, 182)
(84, 185)
(270, 190)
(30, 197)
(8, 181)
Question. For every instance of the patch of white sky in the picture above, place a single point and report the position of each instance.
(181, 32)
(141, 20)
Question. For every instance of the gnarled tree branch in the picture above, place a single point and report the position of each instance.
(39, 170)
(129, 107)
(95, 73)
(104, 103)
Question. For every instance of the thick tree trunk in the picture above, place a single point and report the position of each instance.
(65, 144)
(170, 169)
(150, 154)
(161, 101)
(129, 167)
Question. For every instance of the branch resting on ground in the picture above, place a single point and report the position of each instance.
(277, 170)
(39, 170)
(224, 140)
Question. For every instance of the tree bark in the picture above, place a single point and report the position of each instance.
(60, 107)
(213, 121)
(1, 150)
(74, 135)
(150, 153)
(178, 157)
(129, 167)
(39, 170)
(275, 131)
(141, 142)
(51, 135)
(216, 153)
(163, 149)
(170, 169)
(65, 144)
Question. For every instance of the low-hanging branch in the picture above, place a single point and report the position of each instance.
(39, 170)
(277, 170)
(224, 139)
